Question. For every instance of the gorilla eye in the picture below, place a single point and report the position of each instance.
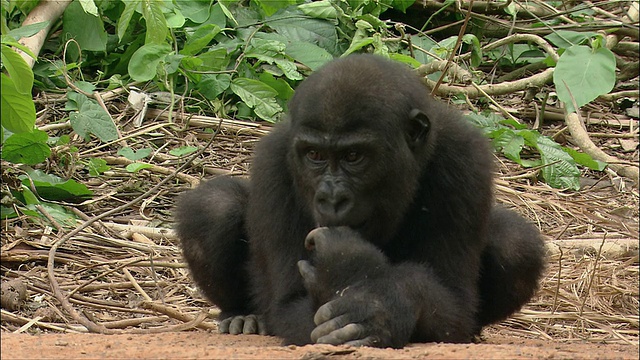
(353, 157)
(315, 156)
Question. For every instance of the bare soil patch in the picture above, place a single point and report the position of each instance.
(206, 345)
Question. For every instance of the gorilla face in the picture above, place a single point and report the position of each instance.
(353, 154)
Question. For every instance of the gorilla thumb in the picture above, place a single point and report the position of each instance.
(308, 272)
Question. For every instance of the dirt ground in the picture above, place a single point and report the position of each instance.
(207, 345)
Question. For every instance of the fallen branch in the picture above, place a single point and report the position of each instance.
(581, 138)
(46, 10)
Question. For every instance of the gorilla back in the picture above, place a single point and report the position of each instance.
(398, 185)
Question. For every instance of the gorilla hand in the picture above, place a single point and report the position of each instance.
(242, 324)
(350, 279)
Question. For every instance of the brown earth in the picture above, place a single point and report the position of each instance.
(206, 345)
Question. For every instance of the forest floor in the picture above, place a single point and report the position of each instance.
(206, 345)
(124, 276)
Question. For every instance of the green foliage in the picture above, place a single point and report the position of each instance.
(90, 118)
(183, 151)
(135, 167)
(243, 59)
(582, 74)
(97, 166)
(558, 165)
(28, 148)
(134, 155)
(51, 187)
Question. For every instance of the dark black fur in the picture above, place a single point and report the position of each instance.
(365, 147)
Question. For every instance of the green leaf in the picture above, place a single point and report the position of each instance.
(26, 31)
(97, 166)
(315, 31)
(271, 51)
(183, 150)
(567, 38)
(195, 10)
(135, 167)
(476, 49)
(61, 215)
(308, 54)
(157, 28)
(560, 170)
(174, 18)
(144, 62)
(586, 160)
(134, 155)
(257, 95)
(86, 29)
(270, 7)
(26, 148)
(125, 17)
(18, 109)
(92, 119)
(320, 10)
(7, 212)
(199, 39)
(52, 187)
(89, 7)
(584, 74)
(405, 59)
(402, 5)
(285, 92)
(213, 85)
(509, 143)
(227, 13)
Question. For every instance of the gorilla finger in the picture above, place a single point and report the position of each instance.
(368, 341)
(328, 327)
(250, 325)
(223, 326)
(236, 326)
(326, 312)
(348, 334)
(315, 235)
(262, 327)
(308, 273)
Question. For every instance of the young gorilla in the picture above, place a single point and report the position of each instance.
(407, 245)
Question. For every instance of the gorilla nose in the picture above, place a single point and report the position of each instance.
(334, 207)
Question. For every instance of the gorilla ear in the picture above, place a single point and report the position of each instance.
(419, 125)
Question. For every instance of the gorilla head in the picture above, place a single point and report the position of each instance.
(360, 142)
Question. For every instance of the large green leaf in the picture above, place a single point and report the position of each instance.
(144, 62)
(125, 17)
(86, 29)
(309, 54)
(272, 52)
(584, 74)
(157, 27)
(199, 39)
(559, 170)
(92, 119)
(257, 95)
(26, 148)
(567, 38)
(320, 10)
(195, 10)
(18, 110)
(52, 187)
(315, 31)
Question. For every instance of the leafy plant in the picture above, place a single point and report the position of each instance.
(558, 165)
